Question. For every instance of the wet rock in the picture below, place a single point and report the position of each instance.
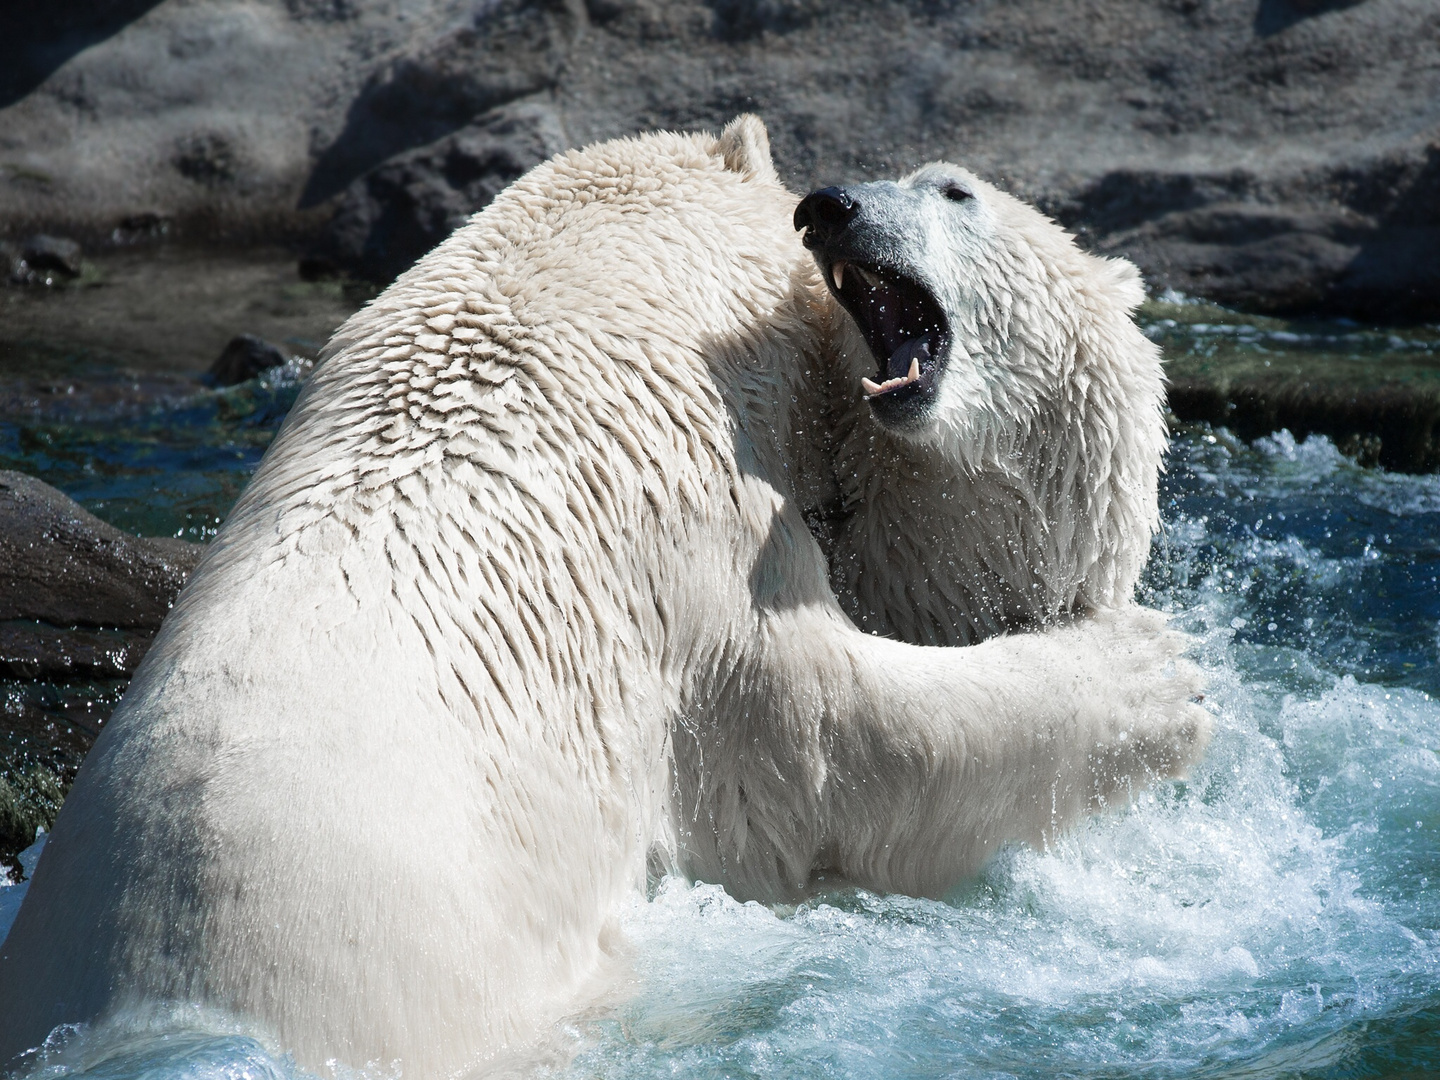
(140, 228)
(42, 744)
(62, 565)
(79, 604)
(1374, 393)
(52, 253)
(1391, 424)
(34, 650)
(42, 260)
(245, 357)
(398, 211)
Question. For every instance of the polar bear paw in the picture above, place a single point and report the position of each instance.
(1149, 724)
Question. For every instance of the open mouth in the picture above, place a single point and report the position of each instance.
(904, 328)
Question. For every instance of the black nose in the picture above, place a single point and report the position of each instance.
(825, 213)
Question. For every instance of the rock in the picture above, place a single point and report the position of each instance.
(61, 570)
(1375, 394)
(52, 253)
(1360, 239)
(42, 259)
(40, 753)
(1386, 423)
(32, 650)
(64, 566)
(395, 213)
(245, 357)
(1278, 155)
(503, 51)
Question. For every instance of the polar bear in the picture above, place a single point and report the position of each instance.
(523, 598)
(997, 421)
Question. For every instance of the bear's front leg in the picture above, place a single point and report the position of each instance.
(901, 768)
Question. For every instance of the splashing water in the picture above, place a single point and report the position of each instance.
(1272, 915)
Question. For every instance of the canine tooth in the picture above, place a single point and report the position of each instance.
(914, 372)
(838, 272)
(870, 388)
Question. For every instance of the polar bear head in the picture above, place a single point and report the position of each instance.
(1000, 415)
(972, 306)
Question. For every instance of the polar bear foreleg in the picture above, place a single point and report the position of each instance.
(934, 757)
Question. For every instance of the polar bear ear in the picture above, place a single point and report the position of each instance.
(1126, 284)
(745, 146)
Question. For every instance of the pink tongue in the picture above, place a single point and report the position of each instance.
(914, 349)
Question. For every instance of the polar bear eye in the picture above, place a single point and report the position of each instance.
(955, 193)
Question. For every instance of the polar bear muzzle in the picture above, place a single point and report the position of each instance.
(897, 313)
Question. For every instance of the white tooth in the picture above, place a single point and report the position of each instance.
(838, 270)
(870, 388)
(914, 372)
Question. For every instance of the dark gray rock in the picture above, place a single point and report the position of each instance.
(52, 253)
(1361, 239)
(62, 565)
(42, 259)
(243, 358)
(501, 51)
(79, 604)
(33, 650)
(1277, 154)
(41, 747)
(395, 213)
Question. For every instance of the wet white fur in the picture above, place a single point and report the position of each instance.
(520, 595)
(1030, 494)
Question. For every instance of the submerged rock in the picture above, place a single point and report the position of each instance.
(243, 358)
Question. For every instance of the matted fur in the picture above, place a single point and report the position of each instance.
(520, 595)
(1030, 493)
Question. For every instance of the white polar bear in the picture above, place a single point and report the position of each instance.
(1000, 470)
(521, 596)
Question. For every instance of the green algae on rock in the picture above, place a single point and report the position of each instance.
(1375, 392)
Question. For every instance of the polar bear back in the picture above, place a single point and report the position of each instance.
(400, 747)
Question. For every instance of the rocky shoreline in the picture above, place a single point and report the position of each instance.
(1278, 157)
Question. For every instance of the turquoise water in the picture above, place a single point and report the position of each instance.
(1276, 915)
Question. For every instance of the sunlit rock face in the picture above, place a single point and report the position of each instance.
(1272, 156)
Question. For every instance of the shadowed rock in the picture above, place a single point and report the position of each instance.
(243, 358)
(38, 38)
(33, 650)
(56, 254)
(508, 50)
(1391, 424)
(394, 214)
